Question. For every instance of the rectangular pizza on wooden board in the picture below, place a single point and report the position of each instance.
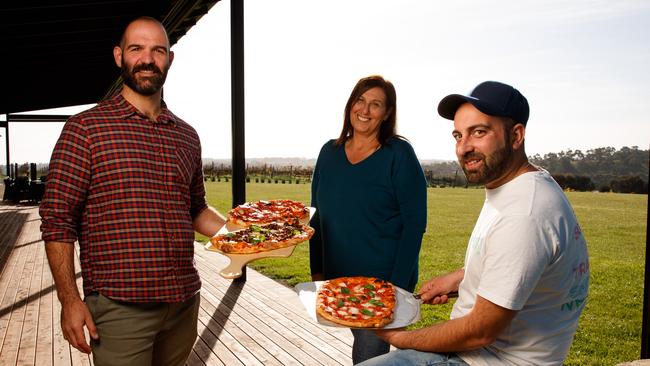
(238, 261)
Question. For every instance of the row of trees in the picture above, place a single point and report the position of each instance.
(261, 172)
(624, 170)
(624, 184)
(604, 169)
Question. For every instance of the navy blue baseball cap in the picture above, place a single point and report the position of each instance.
(490, 97)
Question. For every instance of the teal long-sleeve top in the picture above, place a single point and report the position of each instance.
(370, 216)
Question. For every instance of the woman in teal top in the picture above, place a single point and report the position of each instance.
(370, 197)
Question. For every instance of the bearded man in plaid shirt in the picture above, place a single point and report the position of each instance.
(125, 181)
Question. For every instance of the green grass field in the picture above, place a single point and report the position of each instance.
(614, 225)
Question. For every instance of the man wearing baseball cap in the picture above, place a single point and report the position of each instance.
(526, 274)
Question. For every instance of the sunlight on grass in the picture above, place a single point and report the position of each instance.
(614, 225)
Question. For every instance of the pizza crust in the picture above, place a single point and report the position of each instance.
(226, 245)
(330, 294)
(238, 222)
(360, 323)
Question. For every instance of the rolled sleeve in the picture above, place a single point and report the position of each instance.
(197, 188)
(66, 186)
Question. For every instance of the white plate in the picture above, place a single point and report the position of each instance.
(407, 309)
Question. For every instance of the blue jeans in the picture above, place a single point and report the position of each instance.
(405, 357)
(367, 345)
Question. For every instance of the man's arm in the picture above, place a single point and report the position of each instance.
(477, 329)
(208, 222)
(74, 312)
(436, 289)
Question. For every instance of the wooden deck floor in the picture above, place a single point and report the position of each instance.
(260, 322)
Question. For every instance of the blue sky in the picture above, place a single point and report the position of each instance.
(583, 65)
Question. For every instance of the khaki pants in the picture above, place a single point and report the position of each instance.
(143, 334)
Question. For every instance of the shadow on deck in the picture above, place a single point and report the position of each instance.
(259, 322)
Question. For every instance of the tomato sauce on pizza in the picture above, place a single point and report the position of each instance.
(266, 211)
(260, 238)
(359, 302)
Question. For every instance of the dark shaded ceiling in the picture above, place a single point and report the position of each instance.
(59, 53)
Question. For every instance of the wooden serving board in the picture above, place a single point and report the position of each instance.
(237, 261)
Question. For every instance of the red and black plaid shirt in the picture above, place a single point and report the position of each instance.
(127, 188)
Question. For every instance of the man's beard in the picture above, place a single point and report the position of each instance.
(149, 85)
(494, 166)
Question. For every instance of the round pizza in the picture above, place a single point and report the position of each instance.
(358, 302)
(264, 212)
(261, 238)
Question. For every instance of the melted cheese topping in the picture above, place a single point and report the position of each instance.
(353, 303)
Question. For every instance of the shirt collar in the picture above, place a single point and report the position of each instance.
(124, 110)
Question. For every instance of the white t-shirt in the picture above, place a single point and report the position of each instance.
(527, 253)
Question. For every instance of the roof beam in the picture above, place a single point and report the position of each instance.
(37, 117)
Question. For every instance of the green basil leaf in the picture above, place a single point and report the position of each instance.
(367, 312)
(354, 299)
(377, 303)
(369, 287)
(229, 235)
(258, 239)
(345, 290)
(340, 303)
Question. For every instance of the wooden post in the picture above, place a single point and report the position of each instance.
(237, 96)
(6, 126)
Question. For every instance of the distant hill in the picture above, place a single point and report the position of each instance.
(296, 162)
(603, 166)
(278, 162)
(600, 167)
